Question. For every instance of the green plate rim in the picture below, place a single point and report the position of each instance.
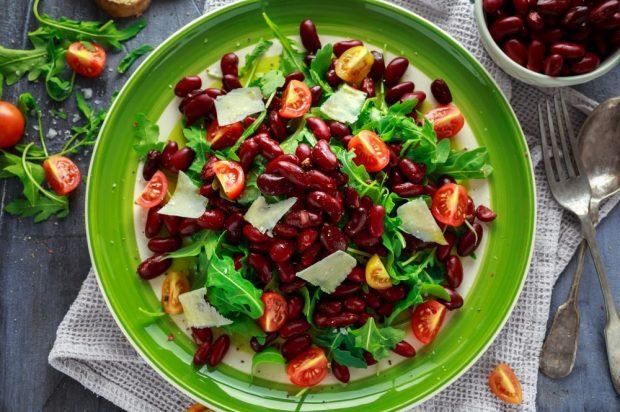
(420, 20)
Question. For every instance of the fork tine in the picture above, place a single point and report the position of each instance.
(564, 124)
(561, 173)
(574, 143)
(545, 146)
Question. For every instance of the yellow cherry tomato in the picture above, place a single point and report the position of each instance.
(175, 284)
(377, 276)
(354, 64)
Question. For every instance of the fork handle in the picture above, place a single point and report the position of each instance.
(612, 328)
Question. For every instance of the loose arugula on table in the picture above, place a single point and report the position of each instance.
(131, 57)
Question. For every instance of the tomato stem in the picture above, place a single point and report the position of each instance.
(472, 230)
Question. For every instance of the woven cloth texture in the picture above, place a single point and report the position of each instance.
(91, 348)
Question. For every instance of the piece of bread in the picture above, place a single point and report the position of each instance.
(124, 8)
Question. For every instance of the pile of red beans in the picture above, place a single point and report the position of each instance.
(555, 37)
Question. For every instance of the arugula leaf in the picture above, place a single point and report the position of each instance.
(204, 242)
(14, 64)
(467, 164)
(320, 66)
(231, 152)
(146, 135)
(289, 145)
(435, 290)
(269, 82)
(292, 59)
(269, 355)
(309, 303)
(245, 327)
(131, 57)
(195, 137)
(377, 340)
(57, 88)
(251, 191)
(85, 110)
(346, 358)
(42, 210)
(13, 167)
(414, 297)
(252, 58)
(358, 176)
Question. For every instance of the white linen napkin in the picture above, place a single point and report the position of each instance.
(91, 348)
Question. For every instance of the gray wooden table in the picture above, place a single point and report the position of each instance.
(42, 266)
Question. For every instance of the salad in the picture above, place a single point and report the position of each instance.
(320, 202)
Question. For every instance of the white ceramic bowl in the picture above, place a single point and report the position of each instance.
(521, 73)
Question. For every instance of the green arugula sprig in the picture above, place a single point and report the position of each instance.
(131, 57)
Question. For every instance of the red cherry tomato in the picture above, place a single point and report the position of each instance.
(86, 59)
(447, 120)
(370, 151)
(220, 137)
(450, 204)
(231, 177)
(61, 174)
(309, 368)
(296, 100)
(154, 192)
(13, 124)
(505, 385)
(276, 312)
(427, 319)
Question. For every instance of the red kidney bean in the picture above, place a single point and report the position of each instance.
(272, 165)
(317, 93)
(376, 220)
(303, 219)
(586, 64)
(568, 50)
(552, 65)
(261, 265)
(295, 346)
(296, 75)
(303, 152)
(153, 266)
(238, 262)
(581, 34)
(285, 231)
(373, 299)
(229, 64)
(599, 41)
(207, 190)
(441, 91)
(342, 320)
(212, 220)
(306, 238)
(378, 66)
(226, 206)
(535, 21)
(354, 304)
(332, 78)
(429, 189)
(330, 307)
(281, 250)
(271, 184)
(404, 348)
(351, 197)
(491, 6)
(340, 372)
(357, 275)
(506, 26)
(603, 11)
(214, 93)
(394, 293)
(181, 160)
(218, 350)
(535, 56)
(356, 222)
(323, 157)
(370, 360)
(202, 335)
(165, 244)
(443, 251)
(516, 50)
(171, 148)
(277, 125)
(286, 271)
(293, 328)
(309, 37)
(575, 17)
(187, 85)
(470, 241)
(386, 309)
(368, 87)
(456, 300)
(198, 107)
(454, 272)
(202, 353)
(320, 320)
(551, 36)
(247, 153)
(346, 288)
(154, 222)
(295, 305)
(553, 7)
(188, 227)
(408, 189)
(267, 146)
(485, 214)
(151, 164)
(234, 224)
(319, 128)
(321, 201)
(332, 238)
(345, 140)
(611, 23)
(395, 70)
(172, 224)
(394, 93)
(365, 240)
(254, 235)
(414, 172)
(338, 130)
(342, 46)
(231, 82)
(291, 172)
(521, 6)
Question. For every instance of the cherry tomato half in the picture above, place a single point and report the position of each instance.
(309, 368)
(231, 177)
(505, 385)
(61, 174)
(154, 192)
(450, 204)
(354, 64)
(447, 120)
(296, 100)
(276, 312)
(86, 59)
(370, 151)
(427, 319)
(220, 137)
(377, 276)
(13, 124)
(175, 284)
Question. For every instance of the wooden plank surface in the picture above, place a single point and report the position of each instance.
(42, 266)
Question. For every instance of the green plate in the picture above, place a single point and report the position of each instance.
(503, 267)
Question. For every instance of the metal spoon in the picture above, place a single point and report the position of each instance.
(600, 154)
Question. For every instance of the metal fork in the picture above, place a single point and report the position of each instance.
(570, 187)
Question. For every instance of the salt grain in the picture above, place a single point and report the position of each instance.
(88, 93)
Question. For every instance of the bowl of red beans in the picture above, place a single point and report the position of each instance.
(551, 43)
